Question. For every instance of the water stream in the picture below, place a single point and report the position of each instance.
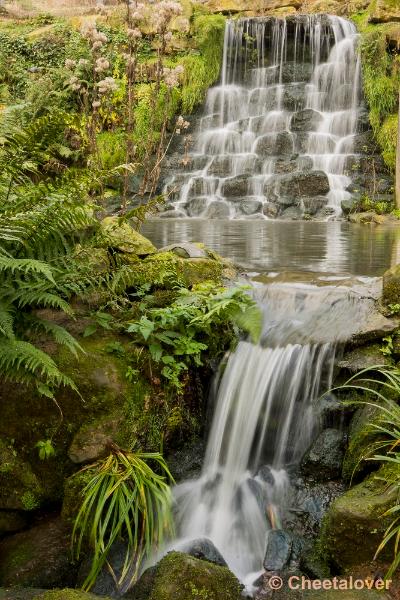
(277, 136)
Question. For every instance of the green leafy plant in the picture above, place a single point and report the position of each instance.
(46, 449)
(124, 499)
(383, 384)
(178, 335)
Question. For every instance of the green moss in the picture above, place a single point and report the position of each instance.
(202, 69)
(67, 594)
(354, 525)
(181, 577)
(391, 286)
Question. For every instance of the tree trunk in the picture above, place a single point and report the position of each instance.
(398, 162)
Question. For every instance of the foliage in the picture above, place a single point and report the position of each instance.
(202, 70)
(383, 383)
(179, 334)
(45, 449)
(381, 75)
(124, 499)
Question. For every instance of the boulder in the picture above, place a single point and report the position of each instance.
(236, 186)
(278, 550)
(310, 184)
(363, 218)
(391, 286)
(217, 210)
(314, 204)
(204, 549)
(305, 120)
(20, 488)
(270, 210)
(92, 442)
(355, 523)
(348, 205)
(332, 411)
(11, 521)
(187, 462)
(39, 557)
(186, 250)
(123, 238)
(323, 461)
(250, 206)
(275, 144)
(293, 213)
(196, 206)
(179, 576)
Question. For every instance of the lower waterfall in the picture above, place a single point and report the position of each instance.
(265, 417)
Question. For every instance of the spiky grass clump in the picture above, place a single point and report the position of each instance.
(125, 499)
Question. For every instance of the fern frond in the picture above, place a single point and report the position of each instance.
(6, 321)
(60, 334)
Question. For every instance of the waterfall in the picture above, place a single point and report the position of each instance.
(264, 419)
(277, 136)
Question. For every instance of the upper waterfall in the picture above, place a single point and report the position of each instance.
(278, 135)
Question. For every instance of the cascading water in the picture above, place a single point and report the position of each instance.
(265, 414)
(277, 137)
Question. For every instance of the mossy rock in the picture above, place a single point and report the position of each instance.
(391, 286)
(384, 11)
(11, 521)
(20, 488)
(39, 557)
(68, 594)
(27, 418)
(354, 524)
(122, 237)
(179, 576)
(361, 435)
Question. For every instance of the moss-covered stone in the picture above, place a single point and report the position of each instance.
(361, 435)
(38, 557)
(181, 577)
(122, 237)
(11, 521)
(67, 594)
(354, 525)
(391, 286)
(20, 488)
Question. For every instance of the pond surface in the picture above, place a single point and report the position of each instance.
(336, 247)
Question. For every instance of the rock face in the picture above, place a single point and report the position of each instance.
(278, 551)
(391, 286)
(179, 577)
(324, 459)
(39, 557)
(354, 524)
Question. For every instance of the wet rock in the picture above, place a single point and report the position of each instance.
(310, 502)
(278, 550)
(258, 492)
(250, 206)
(220, 166)
(179, 576)
(324, 459)
(363, 143)
(294, 97)
(20, 593)
(362, 435)
(313, 205)
(275, 144)
(391, 286)
(332, 411)
(124, 238)
(362, 357)
(204, 549)
(39, 557)
(11, 521)
(270, 210)
(105, 583)
(201, 186)
(187, 462)
(196, 206)
(348, 205)
(313, 183)
(293, 213)
(236, 186)
(266, 475)
(355, 522)
(92, 442)
(217, 210)
(305, 120)
(296, 71)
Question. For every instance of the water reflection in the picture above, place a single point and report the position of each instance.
(332, 247)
